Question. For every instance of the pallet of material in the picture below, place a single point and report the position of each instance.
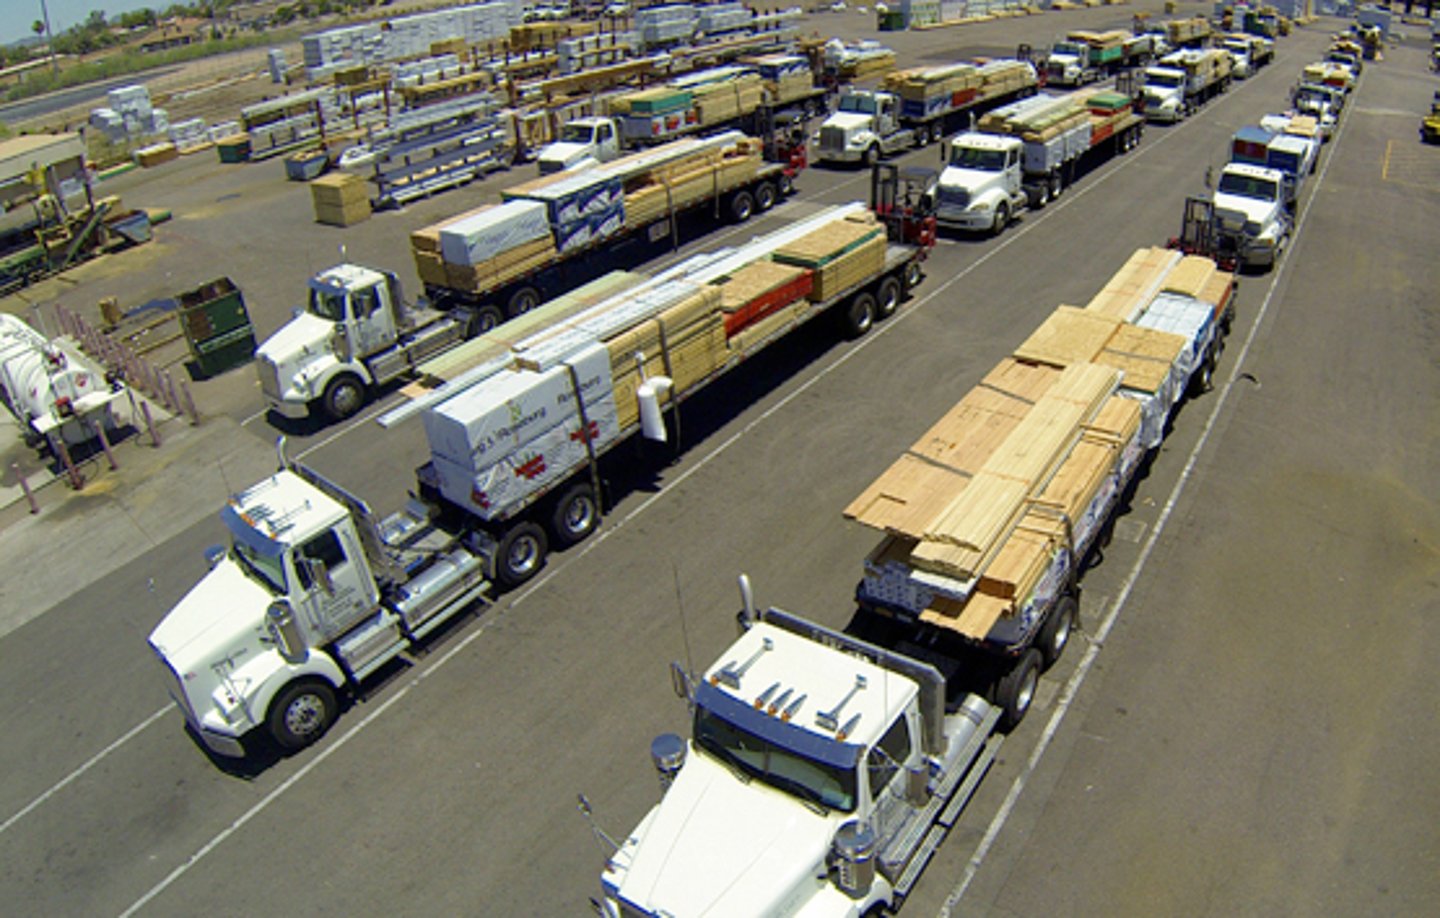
(691, 354)
(924, 83)
(340, 199)
(1068, 335)
(155, 154)
(503, 268)
(841, 254)
(661, 100)
(1144, 355)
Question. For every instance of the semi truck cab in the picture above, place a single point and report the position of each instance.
(355, 332)
(815, 772)
(1251, 216)
(583, 142)
(982, 186)
(1164, 92)
(864, 126)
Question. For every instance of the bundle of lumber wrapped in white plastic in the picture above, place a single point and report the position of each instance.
(923, 83)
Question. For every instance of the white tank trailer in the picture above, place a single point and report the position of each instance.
(48, 388)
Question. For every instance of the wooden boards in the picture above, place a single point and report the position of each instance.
(1135, 284)
(1068, 335)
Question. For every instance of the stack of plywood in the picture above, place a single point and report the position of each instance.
(681, 182)
(1039, 119)
(657, 101)
(1135, 284)
(1071, 336)
(726, 100)
(761, 289)
(840, 254)
(1005, 76)
(155, 154)
(483, 248)
(340, 199)
(686, 342)
(921, 83)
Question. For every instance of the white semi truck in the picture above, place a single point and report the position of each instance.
(1183, 81)
(1252, 219)
(919, 106)
(315, 593)
(356, 333)
(1083, 57)
(824, 767)
(1027, 153)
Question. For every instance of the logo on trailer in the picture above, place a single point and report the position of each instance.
(531, 468)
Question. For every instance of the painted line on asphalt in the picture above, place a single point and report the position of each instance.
(1082, 670)
(875, 335)
(89, 764)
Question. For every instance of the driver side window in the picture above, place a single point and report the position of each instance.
(366, 301)
(888, 757)
(324, 549)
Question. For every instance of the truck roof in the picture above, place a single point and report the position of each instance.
(980, 141)
(346, 277)
(770, 661)
(283, 507)
(1246, 169)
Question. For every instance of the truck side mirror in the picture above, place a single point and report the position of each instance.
(214, 554)
(681, 682)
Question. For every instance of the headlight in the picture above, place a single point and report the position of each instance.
(982, 206)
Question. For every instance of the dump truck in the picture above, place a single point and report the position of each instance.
(1183, 81)
(1026, 153)
(316, 592)
(490, 264)
(1085, 57)
(917, 106)
(824, 767)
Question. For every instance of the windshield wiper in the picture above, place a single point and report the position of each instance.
(807, 794)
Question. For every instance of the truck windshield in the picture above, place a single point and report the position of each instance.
(576, 133)
(327, 304)
(857, 104)
(1247, 186)
(782, 768)
(1166, 80)
(1065, 47)
(268, 569)
(976, 158)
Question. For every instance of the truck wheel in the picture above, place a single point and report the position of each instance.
(913, 275)
(575, 515)
(787, 186)
(742, 206)
(1203, 380)
(301, 713)
(344, 396)
(922, 136)
(520, 555)
(1055, 633)
(1002, 220)
(1057, 186)
(487, 318)
(522, 301)
(766, 196)
(859, 315)
(1016, 689)
(887, 298)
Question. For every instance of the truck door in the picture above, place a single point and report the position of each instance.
(888, 776)
(335, 589)
(607, 146)
(373, 328)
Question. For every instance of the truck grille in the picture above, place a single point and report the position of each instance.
(953, 197)
(832, 138)
(269, 376)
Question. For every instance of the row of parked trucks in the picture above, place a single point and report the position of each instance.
(493, 263)
(824, 767)
(1251, 213)
(315, 591)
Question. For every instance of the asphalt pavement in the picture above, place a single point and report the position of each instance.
(1242, 727)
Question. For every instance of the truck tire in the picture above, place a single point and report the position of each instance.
(1002, 219)
(887, 298)
(858, 315)
(575, 515)
(742, 206)
(765, 196)
(1203, 379)
(1057, 185)
(486, 318)
(522, 301)
(1015, 691)
(922, 136)
(912, 275)
(521, 554)
(344, 396)
(1055, 634)
(301, 713)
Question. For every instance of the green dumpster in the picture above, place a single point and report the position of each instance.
(217, 327)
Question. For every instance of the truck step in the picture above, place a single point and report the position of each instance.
(972, 780)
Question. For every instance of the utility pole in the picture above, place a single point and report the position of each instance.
(49, 39)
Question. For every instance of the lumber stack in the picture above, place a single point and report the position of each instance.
(729, 98)
(1038, 119)
(840, 254)
(694, 344)
(1005, 76)
(340, 199)
(761, 289)
(1135, 284)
